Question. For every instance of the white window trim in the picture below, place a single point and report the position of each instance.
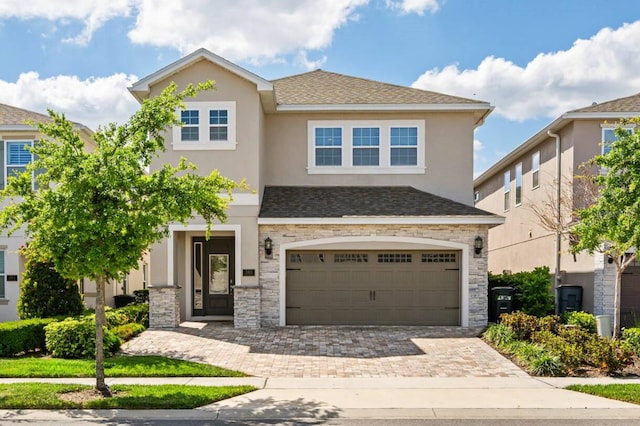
(535, 170)
(347, 147)
(506, 189)
(6, 158)
(3, 273)
(518, 177)
(205, 143)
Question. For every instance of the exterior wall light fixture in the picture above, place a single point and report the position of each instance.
(478, 244)
(268, 246)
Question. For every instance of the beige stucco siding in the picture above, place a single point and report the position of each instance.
(448, 153)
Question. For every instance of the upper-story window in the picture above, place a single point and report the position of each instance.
(206, 125)
(507, 189)
(328, 143)
(518, 184)
(366, 146)
(609, 137)
(17, 156)
(535, 169)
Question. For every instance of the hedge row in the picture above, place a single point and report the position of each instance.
(23, 336)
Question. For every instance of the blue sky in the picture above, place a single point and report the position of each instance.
(532, 60)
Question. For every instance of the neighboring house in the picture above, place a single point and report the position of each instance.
(15, 138)
(528, 176)
(361, 211)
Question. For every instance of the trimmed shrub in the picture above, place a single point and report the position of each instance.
(568, 352)
(523, 325)
(128, 331)
(23, 336)
(581, 319)
(44, 293)
(499, 334)
(138, 313)
(632, 337)
(532, 290)
(74, 338)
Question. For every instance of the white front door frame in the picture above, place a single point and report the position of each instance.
(237, 232)
(412, 243)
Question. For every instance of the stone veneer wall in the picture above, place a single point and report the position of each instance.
(164, 307)
(604, 278)
(282, 234)
(246, 309)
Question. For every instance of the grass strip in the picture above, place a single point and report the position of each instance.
(118, 366)
(46, 396)
(629, 392)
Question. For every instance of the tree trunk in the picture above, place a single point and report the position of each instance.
(616, 303)
(100, 324)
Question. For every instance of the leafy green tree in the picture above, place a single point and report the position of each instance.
(44, 293)
(611, 225)
(97, 209)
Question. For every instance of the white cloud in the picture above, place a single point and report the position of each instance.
(418, 7)
(92, 102)
(255, 30)
(601, 68)
(303, 61)
(92, 13)
(477, 145)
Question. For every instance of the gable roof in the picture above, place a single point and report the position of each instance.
(364, 204)
(615, 109)
(14, 116)
(140, 89)
(328, 88)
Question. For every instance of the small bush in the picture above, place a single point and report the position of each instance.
(523, 325)
(128, 331)
(23, 336)
(609, 355)
(138, 313)
(44, 293)
(525, 352)
(632, 337)
(569, 353)
(499, 335)
(581, 319)
(74, 338)
(546, 364)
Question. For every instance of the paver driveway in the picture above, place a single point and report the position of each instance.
(330, 351)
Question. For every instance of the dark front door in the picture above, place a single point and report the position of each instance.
(213, 275)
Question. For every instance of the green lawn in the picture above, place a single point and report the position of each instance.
(623, 392)
(45, 396)
(118, 366)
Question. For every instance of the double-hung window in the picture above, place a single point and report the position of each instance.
(17, 157)
(206, 125)
(608, 137)
(507, 189)
(404, 146)
(328, 146)
(2, 275)
(366, 146)
(535, 169)
(518, 184)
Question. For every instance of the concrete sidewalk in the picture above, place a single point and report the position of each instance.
(368, 398)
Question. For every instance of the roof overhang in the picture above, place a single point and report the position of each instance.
(491, 220)
(383, 107)
(141, 89)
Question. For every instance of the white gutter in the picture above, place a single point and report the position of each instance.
(558, 211)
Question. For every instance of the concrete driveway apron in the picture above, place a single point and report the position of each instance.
(330, 351)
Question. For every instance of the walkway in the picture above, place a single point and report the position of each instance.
(325, 352)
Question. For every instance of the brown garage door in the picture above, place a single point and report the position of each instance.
(373, 287)
(630, 297)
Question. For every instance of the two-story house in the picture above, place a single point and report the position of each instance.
(16, 137)
(362, 210)
(529, 176)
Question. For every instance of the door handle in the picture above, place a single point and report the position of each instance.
(374, 295)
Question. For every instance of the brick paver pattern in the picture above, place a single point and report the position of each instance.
(331, 351)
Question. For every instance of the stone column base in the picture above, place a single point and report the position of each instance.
(164, 307)
(246, 307)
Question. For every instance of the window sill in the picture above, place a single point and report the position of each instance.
(205, 146)
(412, 170)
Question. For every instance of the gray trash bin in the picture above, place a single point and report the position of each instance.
(603, 325)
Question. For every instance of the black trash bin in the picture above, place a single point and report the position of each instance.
(569, 298)
(501, 302)
(121, 300)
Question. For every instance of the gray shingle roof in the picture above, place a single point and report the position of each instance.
(627, 104)
(327, 88)
(345, 201)
(10, 115)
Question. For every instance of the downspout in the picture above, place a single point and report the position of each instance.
(558, 215)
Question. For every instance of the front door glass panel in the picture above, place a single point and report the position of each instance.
(218, 274)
